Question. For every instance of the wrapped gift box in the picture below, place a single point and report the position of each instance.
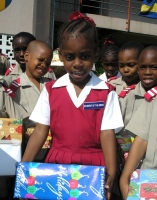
(57, 181)
(28, 128)
(125, 142)
(10, 145)
(143, 185)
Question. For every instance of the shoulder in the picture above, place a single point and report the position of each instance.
(10, 69)
(3, 56)
(116, 81)
(128, 91)
(103, 77)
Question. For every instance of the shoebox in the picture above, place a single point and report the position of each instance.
(10, 145)
(28, 128)
(143, 185)
(59, 181)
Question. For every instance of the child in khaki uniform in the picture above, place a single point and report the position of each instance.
(25, 90)
(128, 58)
(20, 43)
(22, 98)
(143, 123)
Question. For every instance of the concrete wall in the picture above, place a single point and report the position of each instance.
(27, 15)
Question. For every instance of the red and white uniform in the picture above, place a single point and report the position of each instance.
(76, 130)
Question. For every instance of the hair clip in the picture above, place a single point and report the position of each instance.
(109, 42)
(77, 15)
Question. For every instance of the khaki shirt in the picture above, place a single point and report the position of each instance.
(144, 124)
(16, 72)
(130, 104)
(4, 65)
(119, 84)
(26, 98)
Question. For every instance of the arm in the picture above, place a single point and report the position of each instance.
(136, 153)
(108, 144)
(35, 142)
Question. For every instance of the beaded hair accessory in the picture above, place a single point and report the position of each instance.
(77, 15)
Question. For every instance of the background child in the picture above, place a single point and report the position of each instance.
(143, 124)
(128, 62)
(56, 65)
(26, 89)
(109, 60)
(81, 134)
(19, 44)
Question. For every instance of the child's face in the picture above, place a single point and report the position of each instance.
(148, 68)
(38, 62)
(128, 63)
(19, 47)
(78, 56)
(110, 65)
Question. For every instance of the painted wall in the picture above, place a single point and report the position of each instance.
(27, 15)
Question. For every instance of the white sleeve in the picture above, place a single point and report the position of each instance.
(41, 112)
(112, 118)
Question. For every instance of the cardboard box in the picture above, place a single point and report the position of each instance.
(10, 145)
(28, 128)
(143, 185)
(57, 181)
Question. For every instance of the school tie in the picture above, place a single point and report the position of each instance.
(112, 78)
(124, 92)
(150, 94)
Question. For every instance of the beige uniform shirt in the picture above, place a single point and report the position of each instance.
(26, 97)
(119, 84)
(4, 65)
(144, 124)
(16, 72)
(130, 104)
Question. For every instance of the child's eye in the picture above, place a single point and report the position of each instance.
(69, 57)
(40, 59)
(142, 67)
(84, 57)
(131, 64)
(121, 65)
(153, 67)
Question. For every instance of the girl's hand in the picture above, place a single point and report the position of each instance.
(108, 186)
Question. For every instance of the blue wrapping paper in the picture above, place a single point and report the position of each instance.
(59, 182)
(143, 185)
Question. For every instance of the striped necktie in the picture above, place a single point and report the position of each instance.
(124, 92)
(150, 94)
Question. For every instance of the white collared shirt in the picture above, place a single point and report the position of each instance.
(112, 118)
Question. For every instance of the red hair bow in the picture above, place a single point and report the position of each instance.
(109, 42)
(77, 15)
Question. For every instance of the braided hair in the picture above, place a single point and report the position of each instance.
(78, 27)
(109, 47)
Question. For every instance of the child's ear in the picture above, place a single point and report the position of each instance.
(26, 54)
(97, 54)
(60, 56)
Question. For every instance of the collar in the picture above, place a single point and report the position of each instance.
(139, 90)
(17, 70)
(94, 82)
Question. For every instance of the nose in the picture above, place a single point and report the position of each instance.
(77, 62)
(148, 71)
(21, 53)
(126, 69)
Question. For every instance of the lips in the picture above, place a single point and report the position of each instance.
(78, 73)
(147, 80)
(41, 71)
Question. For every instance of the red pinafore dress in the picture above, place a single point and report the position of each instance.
(75, 131)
